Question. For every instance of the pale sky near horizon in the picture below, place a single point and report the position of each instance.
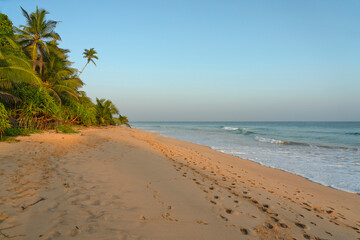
(205, 60)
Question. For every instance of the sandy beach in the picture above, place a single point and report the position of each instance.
(121, 183)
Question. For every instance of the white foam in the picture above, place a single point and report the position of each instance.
(269, 140)
(230, 128)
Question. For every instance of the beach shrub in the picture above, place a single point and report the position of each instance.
(65, 129)
(79, 113)
(4, 120)
(38, 109)
(16, 131)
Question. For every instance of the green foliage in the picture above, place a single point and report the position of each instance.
(16, 131)
(58, 76)
(104, 111)
(65, 129)
(80, 113)
(123, 120)
(16, 69)
(4, 120)
(5, 30)
(34, 36)
(38, 109)
(89, 54)
(38, 85)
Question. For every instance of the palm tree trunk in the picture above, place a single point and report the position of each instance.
(34, 56)
(41, 64)
(84, 68)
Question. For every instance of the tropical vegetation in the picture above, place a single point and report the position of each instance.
(39, 88)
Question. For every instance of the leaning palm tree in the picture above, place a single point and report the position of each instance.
(104, 111)
(90, 54)
(35, 36)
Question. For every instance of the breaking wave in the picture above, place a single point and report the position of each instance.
(244, 131)
(269, 140)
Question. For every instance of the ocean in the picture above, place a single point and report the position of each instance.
(324, 152)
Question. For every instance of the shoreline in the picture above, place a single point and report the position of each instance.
(283, 170)
(121, 183)
(255, 162)
(259, 162)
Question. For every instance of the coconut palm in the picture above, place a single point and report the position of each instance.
(89, 54)
(15, 70)
(122, 120)
(35, 36)
(58, 76)
(104, 111)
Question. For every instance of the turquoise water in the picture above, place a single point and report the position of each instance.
(324, 152)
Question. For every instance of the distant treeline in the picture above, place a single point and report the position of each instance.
(39, 88)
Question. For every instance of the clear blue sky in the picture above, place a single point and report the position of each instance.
(215, 60)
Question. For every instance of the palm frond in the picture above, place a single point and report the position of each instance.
(65, 89)
(5, 83)
(19, 74)
(25, 13)
(7, 97)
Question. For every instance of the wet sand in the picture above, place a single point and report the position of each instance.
(120, 183)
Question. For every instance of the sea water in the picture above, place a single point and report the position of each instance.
(324, 152)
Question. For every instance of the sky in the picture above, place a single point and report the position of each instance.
(206, 60)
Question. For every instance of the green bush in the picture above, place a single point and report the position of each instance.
(38, 110)
(65, 129)
(4, 120)
(13, 132)
(79, 113)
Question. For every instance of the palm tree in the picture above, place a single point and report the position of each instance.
(35, 36)
(15, 70)
(123, 120)
(58, 75)
(104, 111)
(89, 54)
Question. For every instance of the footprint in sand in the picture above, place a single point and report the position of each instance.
(201, 222)
(300, 225)
(166, 216)
(223, 218)
(283, 225)
(244, 231)
(228, 211)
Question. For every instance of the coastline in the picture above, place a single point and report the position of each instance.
(284, 170)
(307, 149)
(256, 162)
(118, 183)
